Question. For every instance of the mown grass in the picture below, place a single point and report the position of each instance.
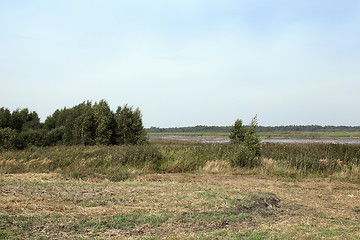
(175, 206)
(75, 197)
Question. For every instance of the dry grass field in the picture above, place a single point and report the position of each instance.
(177, 206)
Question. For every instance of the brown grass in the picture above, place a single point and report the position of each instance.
(186, 206)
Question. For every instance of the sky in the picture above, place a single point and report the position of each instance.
(186, 62)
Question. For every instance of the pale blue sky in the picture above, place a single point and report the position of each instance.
(186, 62)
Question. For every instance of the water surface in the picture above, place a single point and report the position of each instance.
(215, 139)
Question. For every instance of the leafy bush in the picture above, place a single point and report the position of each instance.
(34, 137)
(11, 139)
(244, 157)
(55, 136)
(240, 135)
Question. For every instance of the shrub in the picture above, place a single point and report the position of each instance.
(54, 136)
(244, 157)
(34, 137)
(11, 139)
(240, 135)
(121, 174)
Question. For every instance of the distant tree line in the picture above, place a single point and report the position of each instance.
(85, 123)
(199, 128)
(289, 128)
(309, 128)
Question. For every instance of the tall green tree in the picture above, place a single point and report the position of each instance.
(251, 139)
(5, 116)
(247, 136)
(18, 118)
(86, 125)
(80, 124)
(70, 125)
(105, 123)
(57, 119)
(32, 121)
(130, 129)
(237, 132)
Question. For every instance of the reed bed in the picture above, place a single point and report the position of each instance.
(341, 161)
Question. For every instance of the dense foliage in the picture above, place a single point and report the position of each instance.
(237, 132)
(249, 143)
(85, 124)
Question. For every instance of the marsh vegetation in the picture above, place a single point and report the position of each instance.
(103, 183)
(181, 190)
(298, 160)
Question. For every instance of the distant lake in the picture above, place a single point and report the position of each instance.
(312, 140)
(211, 139)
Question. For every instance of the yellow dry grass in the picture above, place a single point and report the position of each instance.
(306, 207)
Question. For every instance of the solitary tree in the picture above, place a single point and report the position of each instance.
(237, 132)
(251, 139)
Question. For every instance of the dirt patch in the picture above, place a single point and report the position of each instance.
(265, 204)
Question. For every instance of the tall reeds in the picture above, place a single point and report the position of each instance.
(121, 162)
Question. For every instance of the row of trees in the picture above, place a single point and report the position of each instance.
(19, 119)
(85, 123)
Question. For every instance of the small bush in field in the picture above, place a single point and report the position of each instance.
(244, 157)
(121, 175)
(75, 174)
(240, 135)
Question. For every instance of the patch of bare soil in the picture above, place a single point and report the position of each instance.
(265, 203)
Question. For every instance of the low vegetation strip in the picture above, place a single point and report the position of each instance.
(176, 206)
(117, 163)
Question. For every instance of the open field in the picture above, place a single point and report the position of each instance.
(177, 206)
(181, 190)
